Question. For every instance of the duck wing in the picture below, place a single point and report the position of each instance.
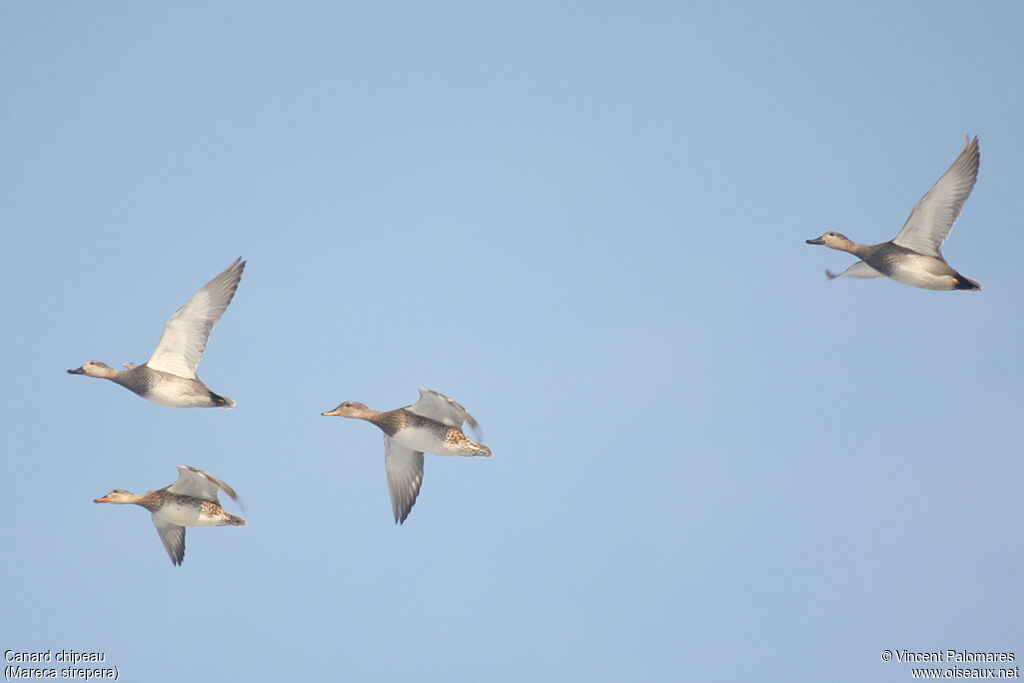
(405, 474)
(437, 406)
(858, 269)
(933, 217)
(183, 342)
(173, 538)
(196, 483)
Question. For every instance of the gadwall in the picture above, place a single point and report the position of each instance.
(431, 425)
(191, 500)
(913, 257)
(169, 376)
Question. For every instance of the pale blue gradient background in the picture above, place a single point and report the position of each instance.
(584, 222)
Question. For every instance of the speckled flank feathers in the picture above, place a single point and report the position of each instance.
(192, 500)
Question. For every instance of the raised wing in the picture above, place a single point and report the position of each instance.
(173, 538)
(934, 216)
(858, 269)
(437, 406)
(185, 335)
(405, 474)
(194, 482)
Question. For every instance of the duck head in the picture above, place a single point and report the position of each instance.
(119, 496)
(94, 368)
(833, 240)
(350, 409)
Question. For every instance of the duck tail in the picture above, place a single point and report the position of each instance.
(965, 283)
(234, 520)
(222, 401)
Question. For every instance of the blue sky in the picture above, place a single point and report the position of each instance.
(584, 222)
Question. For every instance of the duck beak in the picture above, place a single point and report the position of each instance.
(816, 240)
(104, 499)
(76, 371)
(330, 413)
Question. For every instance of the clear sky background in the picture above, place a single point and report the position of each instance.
(585, 222)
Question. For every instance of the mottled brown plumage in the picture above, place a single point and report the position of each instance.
(431, 425)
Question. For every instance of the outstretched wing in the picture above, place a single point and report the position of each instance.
(173, 538)
(933, 217)
(185, 335)
(405, 474)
